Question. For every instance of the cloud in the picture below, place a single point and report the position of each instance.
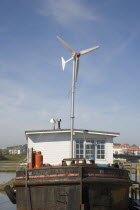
(22, 108)
(122, 45)
(25, 109)
(66, 12)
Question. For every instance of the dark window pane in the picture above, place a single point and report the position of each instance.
(102, 141)
(98, 152)
(77, 156)
(92, 151)
(81, 146)
(87, 156)
(92, 146)
(102, 146)
(81, 151)
(92, 157)
(102, 156)
(87, 147)
(102, 152)
(87, 151)
(81, 156)
(77, 151)
(98, 156)
(77, 146)
(87, 140)
(98, 146)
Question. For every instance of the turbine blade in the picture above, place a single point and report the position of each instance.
(76, 68)
(66, 45)
(88, 50)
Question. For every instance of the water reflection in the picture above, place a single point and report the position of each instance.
(5, 203)
(6, 176)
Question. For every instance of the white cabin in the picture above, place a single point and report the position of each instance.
(55, 145)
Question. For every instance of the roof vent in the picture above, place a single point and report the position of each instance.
(54, 121)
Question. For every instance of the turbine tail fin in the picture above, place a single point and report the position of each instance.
(63, 63)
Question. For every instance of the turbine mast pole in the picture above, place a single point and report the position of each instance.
(72, 106)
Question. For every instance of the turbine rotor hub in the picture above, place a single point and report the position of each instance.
(78, 55)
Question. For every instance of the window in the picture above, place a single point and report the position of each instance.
(89, 149)
(86, 149)
(79, 149)
(100, 149)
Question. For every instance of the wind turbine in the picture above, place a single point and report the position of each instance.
(75, 58)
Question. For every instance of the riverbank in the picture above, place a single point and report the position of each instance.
(11, 163)
(6, 166)
(8, 169)
(10, 182)
(7, 163)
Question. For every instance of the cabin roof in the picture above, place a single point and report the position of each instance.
(92, 132)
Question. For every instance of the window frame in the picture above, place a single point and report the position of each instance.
(100, 146)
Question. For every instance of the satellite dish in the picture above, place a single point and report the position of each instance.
(52, 121)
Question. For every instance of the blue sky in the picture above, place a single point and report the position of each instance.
(33, 87)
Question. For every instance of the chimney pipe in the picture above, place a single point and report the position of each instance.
(59, 123)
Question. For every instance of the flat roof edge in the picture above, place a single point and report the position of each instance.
(32, 132)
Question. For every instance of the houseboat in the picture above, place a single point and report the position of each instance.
(87, 181)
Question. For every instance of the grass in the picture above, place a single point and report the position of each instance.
(14, 158)
(8, 169)
(10, 163)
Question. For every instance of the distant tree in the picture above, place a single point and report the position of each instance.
(135, 146)
(0, 154)
(117, 144)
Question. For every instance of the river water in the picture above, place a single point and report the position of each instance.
(6, 176)
(5, 203)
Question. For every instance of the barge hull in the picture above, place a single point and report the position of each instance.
(73, 188)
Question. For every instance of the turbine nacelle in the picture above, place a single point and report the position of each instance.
(77, 55)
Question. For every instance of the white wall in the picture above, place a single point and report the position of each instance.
(56, 147)
(53, 151)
